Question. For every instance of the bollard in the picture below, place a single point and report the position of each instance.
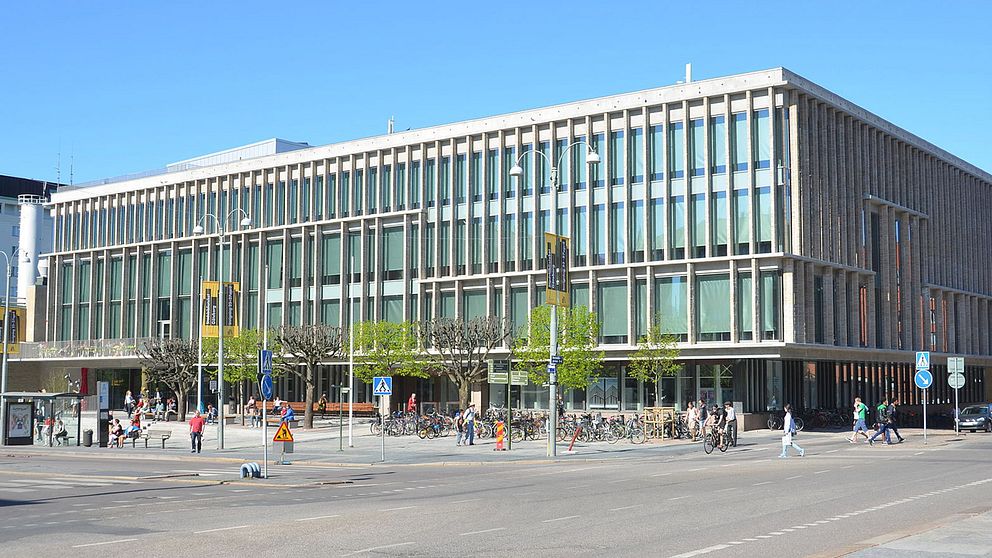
(250, 471)
(500, 434)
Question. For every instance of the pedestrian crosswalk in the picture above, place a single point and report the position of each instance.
(28, 485)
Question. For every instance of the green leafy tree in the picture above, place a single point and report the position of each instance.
(656, 357)
(578, 330)
(240, 355)
(387, 349)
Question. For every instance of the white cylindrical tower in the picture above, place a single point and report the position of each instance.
(33, 238)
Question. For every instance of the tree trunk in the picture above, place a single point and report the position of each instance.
(181, 404)
(308, 412)
(657, 392)
(464, 392)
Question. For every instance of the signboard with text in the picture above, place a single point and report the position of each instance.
(556, 251)
(210, 311)
(15, 333)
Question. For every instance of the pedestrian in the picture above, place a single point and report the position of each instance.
(128, 403)
(277, 405)
(882, 423)
(731, 420)
(893, 415)
(470, 424)
(411, 404)
(691, 420)
(460, 428)
(252, 407)
(701, 410)
(860, 414)
(196, 432)
(210, 413)
(322, 405)
(789, 427)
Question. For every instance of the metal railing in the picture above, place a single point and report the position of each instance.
(93, 348)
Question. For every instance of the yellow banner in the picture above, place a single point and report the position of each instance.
(16, 334)
(210, 294)
(557, 253)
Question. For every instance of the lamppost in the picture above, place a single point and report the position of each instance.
(6, 340)
(222, 233)
(516, 171)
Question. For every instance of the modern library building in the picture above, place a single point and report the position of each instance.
(800, 247)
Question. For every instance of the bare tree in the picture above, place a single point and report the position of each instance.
(303, 348)
(460, 350)
(173, 362)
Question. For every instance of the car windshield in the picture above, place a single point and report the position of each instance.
(974, 410)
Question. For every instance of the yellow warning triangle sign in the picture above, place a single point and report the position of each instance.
(283, 434)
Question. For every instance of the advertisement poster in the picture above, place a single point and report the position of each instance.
(19, 423)
(210, 311)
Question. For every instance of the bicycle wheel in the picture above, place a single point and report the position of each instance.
(637, 436)
(423, 433)
(708, 444)
(517, 434)
(774, 423)
(375, 428)
(724, 443)
(611, 436)
(800, 424)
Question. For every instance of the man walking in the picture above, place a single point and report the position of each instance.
(196, 432)
(789, 427)
(860, 413)
(730, 415)
(893, 415)
(701, 407)
(470, 424)
(882, 416)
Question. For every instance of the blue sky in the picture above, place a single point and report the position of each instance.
(124, 87)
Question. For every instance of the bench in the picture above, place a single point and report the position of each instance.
(295, 423)
(367, 409)
(149, 434)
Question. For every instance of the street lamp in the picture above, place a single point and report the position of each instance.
(516, 171)
(222, 233)
(6, 335)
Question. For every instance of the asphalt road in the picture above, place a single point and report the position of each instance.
(840, 498)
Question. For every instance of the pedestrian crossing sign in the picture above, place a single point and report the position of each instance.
(382, 385)
(923, 360)
(283, 434)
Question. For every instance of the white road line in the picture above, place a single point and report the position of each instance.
(398, 509)
(626, 507)
(795, 477)
(918, 453)
(706, 550)
(831, 451)
(761, 483)
(318, 517)
(821, 472)
(221, 529)
(776, 533)
(661, 475)
(477, 499)
(677, 498)
(493, 530)
(374, 548)
(727, 489)
(619, 480)
(104, 542)
(560, 518)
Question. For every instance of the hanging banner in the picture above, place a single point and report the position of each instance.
(210, 309)
(556, 250)
(15, 332)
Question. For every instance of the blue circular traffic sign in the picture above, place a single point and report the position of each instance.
(266, 385)
(923, 379)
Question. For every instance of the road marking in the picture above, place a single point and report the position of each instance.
(560, 518)
(821, 472)
(677, 498)
(727, 489)
(221, 529)
(761, 483)
(694, 470)
(919, 453)
(477, 499)
(776, 533)
(661, 475)
(831, 451)
(104, 542)
(706, 550)
(795, 477)
(318, 517)
(847, 466)
(398, 509)
(374, 548)
(494, 529)
(619, 480)
(626, 507)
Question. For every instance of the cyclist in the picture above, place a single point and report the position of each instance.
(731, 419)
(714, 425)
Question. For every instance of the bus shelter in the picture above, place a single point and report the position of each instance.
(33, 418)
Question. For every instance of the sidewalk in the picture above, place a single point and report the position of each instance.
(960, 535)
(322, 446)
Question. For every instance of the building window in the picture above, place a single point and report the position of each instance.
(527, 239)
(719, 219)
(370, 190)
(541, 169)
(492, 174)
(579, 236)
(598, 173)
(718, 145)
(415, 185)
(676, 150)
(393, 245)
(742, 213)
(738, 141)
(430, 185)
(764, 219)
(697, 143)
(617, 233)
(657, 154)
(637, 155)
(770, 304)
(762, 141)
(401, 182)
(670, 306)
(637, 230)
(444, 186)
(698, 231)
(330, 259)
(677, 226)
(476, 177)
(713, 307)
(527, 180)
(564, 176)
(745, 307)
(579, 162)
(599, 234)
(612, 312)
(509, 243)
(509, 159)
(617, 159)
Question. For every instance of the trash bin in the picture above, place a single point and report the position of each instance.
(87, 438)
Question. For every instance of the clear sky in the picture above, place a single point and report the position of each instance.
(122, 87)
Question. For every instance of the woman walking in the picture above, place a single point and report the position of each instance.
(789, 427)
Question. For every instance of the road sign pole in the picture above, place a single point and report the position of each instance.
(553, 387)
(924, 417)
(957, 426)
(340, 420)
(382, 415)
(509, 416)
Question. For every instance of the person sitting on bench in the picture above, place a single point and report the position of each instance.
(61, 436)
